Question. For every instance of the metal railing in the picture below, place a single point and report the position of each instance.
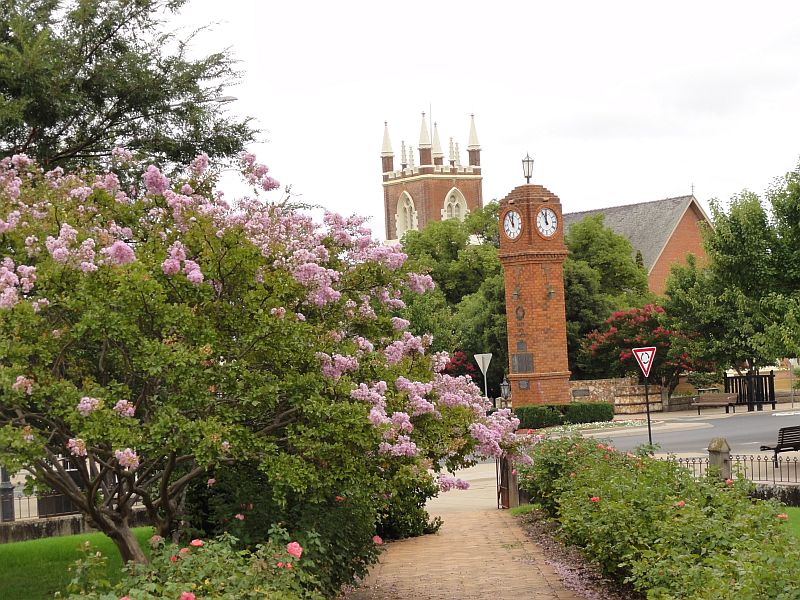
(756, 468)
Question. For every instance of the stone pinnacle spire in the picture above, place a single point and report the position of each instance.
(473, 135)
(437, 146)
(386, 149)
(424, 136)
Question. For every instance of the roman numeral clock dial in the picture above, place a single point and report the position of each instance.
(546, 222)
(512, 224)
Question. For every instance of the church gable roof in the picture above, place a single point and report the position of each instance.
(648, 225)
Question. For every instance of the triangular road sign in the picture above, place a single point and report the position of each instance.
(644, 356)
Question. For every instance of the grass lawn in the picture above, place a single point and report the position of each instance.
(37, 569)
(794, 519)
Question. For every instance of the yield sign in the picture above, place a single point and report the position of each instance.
(644, 356)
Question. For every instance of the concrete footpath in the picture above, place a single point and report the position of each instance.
(480, 552)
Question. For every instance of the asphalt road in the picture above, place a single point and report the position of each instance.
(744, 431)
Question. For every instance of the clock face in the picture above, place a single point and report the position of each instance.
(512, 224)
(546, 222)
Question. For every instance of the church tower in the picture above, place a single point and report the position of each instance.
(414, 195)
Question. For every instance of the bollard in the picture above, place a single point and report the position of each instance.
(719, 455)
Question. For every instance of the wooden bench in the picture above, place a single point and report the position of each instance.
(716, 401)
(788, 439)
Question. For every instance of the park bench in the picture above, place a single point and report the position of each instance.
(715, 401)
(788, 439)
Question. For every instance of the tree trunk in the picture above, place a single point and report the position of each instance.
(126, 543)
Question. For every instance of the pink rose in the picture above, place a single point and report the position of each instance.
(376, 539)
(595, 499)
(239, 516)
(782, 516)
(294, 549)
(211, 482)
(196, 543)
(680, 504)
(187, 596)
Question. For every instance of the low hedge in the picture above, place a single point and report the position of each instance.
(548, 415)
(650, 523)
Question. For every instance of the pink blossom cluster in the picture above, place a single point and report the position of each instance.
(419, 284)
(279, 312)
(23, 384)
(14, 215)
(374, 394)
(448, 482)
(118, 253)
(439, 361)
(155, 182)
(76, 447)
(172, 264)
(124, 408)
(336, 365)
(407, 345)
(256, 173)
(13, 281)
(416, 391)
(390, 298)
(459, 391)
(199, 165)
(121, 154)
(364, 345)
(88, 405)
(495, 432)
(403, 446)
(319, 280)
(400, 324)
(127, 459)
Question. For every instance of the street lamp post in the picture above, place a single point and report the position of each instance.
(527, 167)
(505, 390)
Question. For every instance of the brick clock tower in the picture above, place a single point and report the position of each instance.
(532, 252)
(414, 195)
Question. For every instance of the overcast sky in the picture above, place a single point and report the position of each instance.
(618, 102)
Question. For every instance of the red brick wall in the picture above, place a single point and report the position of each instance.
(429, 194)
(685, 239)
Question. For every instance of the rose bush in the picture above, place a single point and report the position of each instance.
(652, 524)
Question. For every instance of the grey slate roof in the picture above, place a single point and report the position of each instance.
(648, 225)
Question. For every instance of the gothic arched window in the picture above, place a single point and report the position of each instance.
(455, 205)
(406, 217)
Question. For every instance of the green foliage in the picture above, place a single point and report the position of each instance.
(217, 569)
(548, 415)
(537, 417)
(652, 524)
(587, 412)
(80, 77)
(611, 255)
(743, 307)
(402, 513)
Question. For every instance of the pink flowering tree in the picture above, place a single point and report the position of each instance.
(152, 330)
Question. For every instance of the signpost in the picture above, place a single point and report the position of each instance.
(644, 356)
(483, 361)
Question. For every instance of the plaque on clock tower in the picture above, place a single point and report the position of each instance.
(532, 252)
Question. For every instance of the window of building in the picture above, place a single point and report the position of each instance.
(406, 217)
(455, 206)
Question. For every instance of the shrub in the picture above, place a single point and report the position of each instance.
(652, 524)
(536, 417)
(587, 412)
(214, 569)
(548, 415)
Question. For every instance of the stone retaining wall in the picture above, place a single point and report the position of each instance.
(34, 529)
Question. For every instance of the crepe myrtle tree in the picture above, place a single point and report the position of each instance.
(151, 331)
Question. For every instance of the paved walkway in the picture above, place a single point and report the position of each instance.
(480, 552)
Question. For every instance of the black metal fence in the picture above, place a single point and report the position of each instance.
(752, 389)
(760, 469)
